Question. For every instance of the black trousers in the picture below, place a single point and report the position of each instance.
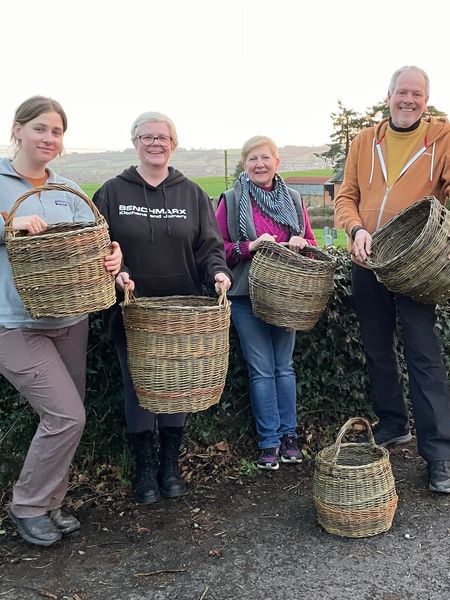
(378, 310)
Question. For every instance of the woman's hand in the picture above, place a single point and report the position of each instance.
(113, 261)
(265, 237)
(31, 223)
(297, 243)
(222, 281)
(123, 279)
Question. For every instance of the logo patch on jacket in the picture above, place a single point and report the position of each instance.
(60, 203)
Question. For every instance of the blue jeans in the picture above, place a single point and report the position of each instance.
(273, 392)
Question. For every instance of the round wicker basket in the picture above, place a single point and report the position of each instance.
(178, 350)
(61, 272)
(410, 252)
(290, 289)
(354, 488)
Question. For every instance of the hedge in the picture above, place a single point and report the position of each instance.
(329, 362)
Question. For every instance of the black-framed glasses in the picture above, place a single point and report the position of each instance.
(148, 140)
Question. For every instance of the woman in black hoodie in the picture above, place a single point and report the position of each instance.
(171, 246)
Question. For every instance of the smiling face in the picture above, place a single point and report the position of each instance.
(409, 99)
(261, 165)
(154, 156)
(41, 139)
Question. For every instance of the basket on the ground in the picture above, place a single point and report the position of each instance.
(61, 272)
(354, 488)
(410, 252)
(290, 289)
(178, 350)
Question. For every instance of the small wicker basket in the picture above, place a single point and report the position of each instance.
(178, 350)
(354, 488)
(410, 252)
(290, 289)
(61, 272)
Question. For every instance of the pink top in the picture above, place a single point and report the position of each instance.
(263, 224)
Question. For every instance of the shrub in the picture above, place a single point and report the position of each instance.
(329, 362)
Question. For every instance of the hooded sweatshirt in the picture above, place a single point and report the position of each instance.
(53, 207)
(365, 198)
(168, 235)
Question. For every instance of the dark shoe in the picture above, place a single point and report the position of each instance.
(439, 476)
(146, 487)
(289, 451)
(170, 481)
(384, 437)
(268, 459)
(65, 522)
(40, 531)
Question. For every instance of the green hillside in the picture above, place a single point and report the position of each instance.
(214, 186)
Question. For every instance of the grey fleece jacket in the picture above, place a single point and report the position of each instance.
(52, 207)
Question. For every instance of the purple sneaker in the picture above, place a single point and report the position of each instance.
(268, 459)
(289, 450)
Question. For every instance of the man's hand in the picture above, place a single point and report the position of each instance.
(362, 245)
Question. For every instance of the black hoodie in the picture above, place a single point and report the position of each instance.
(168, 234)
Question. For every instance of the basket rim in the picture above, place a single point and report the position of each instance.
(433, 203)
(281, 249)
(151, 303)
(319, 460)
(91, 226)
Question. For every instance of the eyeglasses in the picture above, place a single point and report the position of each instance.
(148, 140)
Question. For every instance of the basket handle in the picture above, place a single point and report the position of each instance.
(47, 187)
(129, 296)
(343, 431)
(223, 300)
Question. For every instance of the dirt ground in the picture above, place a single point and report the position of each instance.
(237, 537)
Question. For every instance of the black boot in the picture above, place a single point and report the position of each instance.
(170, 482)
(146, 487)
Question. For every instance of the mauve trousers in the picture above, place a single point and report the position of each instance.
(48, 367)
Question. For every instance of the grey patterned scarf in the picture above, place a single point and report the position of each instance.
(277, 204)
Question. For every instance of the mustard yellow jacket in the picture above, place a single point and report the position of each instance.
(365, 198)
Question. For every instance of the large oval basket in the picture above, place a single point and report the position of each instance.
(61, 272)
(354, 488)
(178, 350)
(410, 252)
(290, 289)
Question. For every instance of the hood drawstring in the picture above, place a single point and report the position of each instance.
(373, 162)
(166, 212)
(432, 163)
(148, 214)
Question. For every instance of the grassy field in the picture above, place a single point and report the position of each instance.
(214, 186)
(339, 242)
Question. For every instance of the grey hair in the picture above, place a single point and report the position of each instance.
(155, 117)
(398, 72)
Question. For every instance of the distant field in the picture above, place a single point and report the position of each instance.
(214, 186)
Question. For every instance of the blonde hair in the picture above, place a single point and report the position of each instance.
(254, 142)
(155, 117)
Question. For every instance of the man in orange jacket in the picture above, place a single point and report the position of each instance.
(389, 167)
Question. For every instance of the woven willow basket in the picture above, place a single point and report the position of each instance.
(410, 252)
(290, 289)
(354, 488)
(178, 350)
(61, 272)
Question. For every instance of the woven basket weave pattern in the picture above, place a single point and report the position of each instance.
(61, 272)
(354, 488)
(288, 289)
(410, 252)
(178, 350)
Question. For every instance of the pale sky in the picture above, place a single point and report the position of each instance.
(223, 70)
